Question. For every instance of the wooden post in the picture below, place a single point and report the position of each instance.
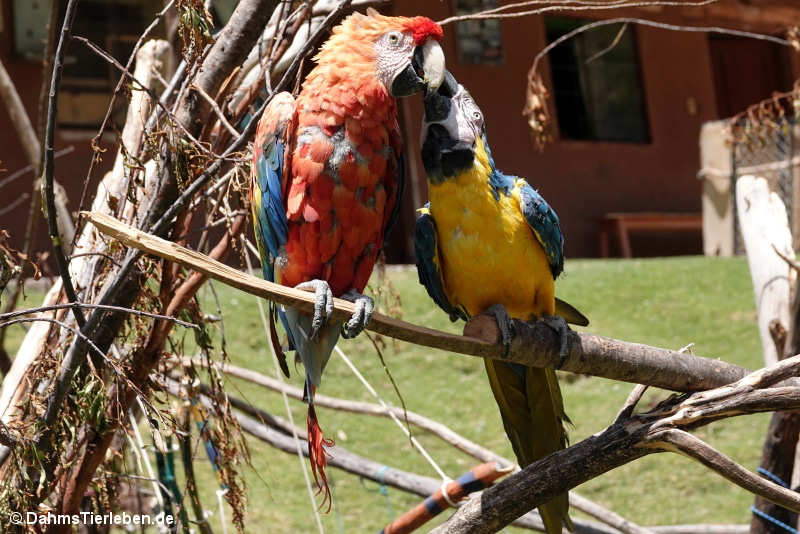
(777, 459)
(764, 223)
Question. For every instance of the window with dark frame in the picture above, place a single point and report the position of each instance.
(479, 41)
(597, 85)
(88, 79)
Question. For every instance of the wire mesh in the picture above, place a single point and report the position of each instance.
(767, 153)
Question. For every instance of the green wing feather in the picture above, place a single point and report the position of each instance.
(533, 416)
(570, 313)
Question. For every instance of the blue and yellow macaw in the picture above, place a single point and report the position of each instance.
(487, 241)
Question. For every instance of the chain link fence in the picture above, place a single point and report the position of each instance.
(770, 154)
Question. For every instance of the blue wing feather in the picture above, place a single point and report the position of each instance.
(272, 220)
(426, 255)
(272, 226)
(538, 213)
(544, 223)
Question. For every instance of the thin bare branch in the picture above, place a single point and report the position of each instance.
(794, 264)
(366, 408)
(611, 46)
(126, 73)
(630, 403)
(116, 92)
(10, 207)
(62, 324)
(654, 24)
(31, 169)
(48, 175)
(697, 449)
(568, 6)
(131, 311)
(214, 106)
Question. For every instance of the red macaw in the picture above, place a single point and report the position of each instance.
(327, 178)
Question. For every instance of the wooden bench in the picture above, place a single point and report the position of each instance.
(624, 223)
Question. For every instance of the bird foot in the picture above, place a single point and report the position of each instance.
(323, 303)
(361, 317)
(559, 325)
(504, 323)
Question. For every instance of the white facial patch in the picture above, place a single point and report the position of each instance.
(464, 120)
(470, 115)
(393, 53)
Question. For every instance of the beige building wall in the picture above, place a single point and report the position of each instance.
(717, 203)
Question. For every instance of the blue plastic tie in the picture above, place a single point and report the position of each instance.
(384, 490)
(777, 522)
(773, 477)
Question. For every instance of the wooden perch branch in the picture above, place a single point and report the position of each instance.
(535, 344)
(632, 436)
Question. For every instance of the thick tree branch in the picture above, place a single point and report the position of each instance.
(229, 51)
(629, 438)
(696, 449)
(535, 344)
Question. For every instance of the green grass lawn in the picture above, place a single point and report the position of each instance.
(663, 302)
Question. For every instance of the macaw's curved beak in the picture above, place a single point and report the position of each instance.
(438, 102)
(443, 155)
(424, 72)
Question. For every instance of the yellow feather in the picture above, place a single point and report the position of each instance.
(489, 253)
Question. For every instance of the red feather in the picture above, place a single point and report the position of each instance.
(342, 272)
(330, 242)
(317, 455)
(423, 29)
(364, 269)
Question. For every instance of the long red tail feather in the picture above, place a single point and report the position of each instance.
(317, 455)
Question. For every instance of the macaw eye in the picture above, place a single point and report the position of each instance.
(477, 115)
(394, 37)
